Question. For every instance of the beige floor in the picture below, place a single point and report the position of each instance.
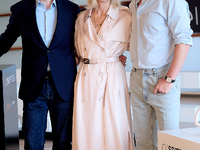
(192, 100)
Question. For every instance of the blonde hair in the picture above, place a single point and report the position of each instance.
(93, 3)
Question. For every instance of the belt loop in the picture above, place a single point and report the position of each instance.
(154, 71)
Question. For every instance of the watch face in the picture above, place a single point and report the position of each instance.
(169, 80)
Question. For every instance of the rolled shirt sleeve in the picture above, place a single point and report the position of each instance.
(179, 21)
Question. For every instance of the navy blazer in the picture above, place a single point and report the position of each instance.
(36, 56)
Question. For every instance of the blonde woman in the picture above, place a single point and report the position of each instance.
(101, 118)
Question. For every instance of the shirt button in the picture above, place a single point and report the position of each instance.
(101, 99)
(84, 74)
(140, 63)
(138, 16)
(101, 74)
(84, 100)
(102, 38)
(85, 48)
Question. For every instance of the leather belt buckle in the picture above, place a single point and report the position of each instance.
(86, 61)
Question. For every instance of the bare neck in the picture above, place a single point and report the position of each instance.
(102, 7)
(47, 3)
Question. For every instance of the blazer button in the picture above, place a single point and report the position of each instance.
(48, 51)
(45, 67)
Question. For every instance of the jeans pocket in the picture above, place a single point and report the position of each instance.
(177, 83)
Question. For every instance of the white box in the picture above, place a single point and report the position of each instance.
(181, 139)
(187, 113)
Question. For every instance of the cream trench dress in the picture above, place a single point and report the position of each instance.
(101, 118)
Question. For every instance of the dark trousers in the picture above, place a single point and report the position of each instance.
(35, 119)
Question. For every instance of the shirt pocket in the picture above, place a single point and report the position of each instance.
(153, 23)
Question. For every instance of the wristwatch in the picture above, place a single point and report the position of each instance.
(169, 79)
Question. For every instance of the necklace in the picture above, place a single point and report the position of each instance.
(138, 4)
(97, 25)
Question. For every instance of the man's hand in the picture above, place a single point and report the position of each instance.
(123, 58)
(163, 87)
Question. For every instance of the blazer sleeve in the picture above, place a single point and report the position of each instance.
(77, 54)
(12, 32)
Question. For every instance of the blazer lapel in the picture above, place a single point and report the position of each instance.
(60, 9)
(30, 16)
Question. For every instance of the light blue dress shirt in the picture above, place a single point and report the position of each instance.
(46, 21)
(157, 26)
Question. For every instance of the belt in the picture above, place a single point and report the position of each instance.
(48, 75)
(152, 70)
(99, 60)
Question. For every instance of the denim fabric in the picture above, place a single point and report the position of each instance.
(35, 119)
(152, 111)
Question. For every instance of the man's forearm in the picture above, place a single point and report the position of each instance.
(180, 54)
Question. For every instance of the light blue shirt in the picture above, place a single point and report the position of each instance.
(157, 26)
(46, 21)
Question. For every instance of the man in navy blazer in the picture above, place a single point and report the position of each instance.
(48, 67)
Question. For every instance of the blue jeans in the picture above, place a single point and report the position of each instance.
(152, 112)
(35, 119)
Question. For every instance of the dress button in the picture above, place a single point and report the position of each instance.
(102, 37)
(101, 99)
(102, 49)
(84, 100)
(101, 74)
